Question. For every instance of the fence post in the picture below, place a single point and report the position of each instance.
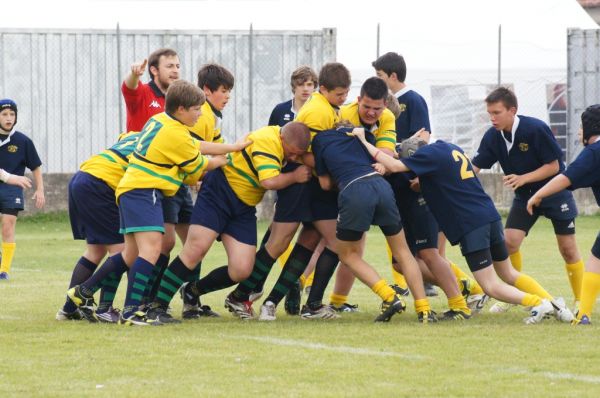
(499, 54)
(250, 79)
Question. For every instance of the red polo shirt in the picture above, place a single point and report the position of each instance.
(142, 103)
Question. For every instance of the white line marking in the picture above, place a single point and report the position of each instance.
(555, 375)
(321, 346)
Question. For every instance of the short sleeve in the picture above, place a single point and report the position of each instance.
(485, 157)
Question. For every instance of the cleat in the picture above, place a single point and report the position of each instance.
(62, 315)
(464, 285)
(255, 296)
(501, 307)
(84, 303)
(400, 290)
(160, 315)
(430, 290)
(190, 311)
(112, 315)
(345, 308)
(584, 321)
(426, 317)
(390, 308)
(539, 312)
(241, 309)
(477, 302)
(4, 276)
(267, 311)
(206, 311)
(138, 318)
(307, 290)
(454, 315)
(321, 312)
(293, 299)
(561, 312)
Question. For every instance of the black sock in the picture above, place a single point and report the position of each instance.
(216, 279)
(265, 238)
(83, 270)
(157, 274)
(324, 270)
(262, 266)
(175, 275)
(293, 268)
(110, 284)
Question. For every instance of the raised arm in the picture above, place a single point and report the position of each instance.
(391, 164)
(137, 71)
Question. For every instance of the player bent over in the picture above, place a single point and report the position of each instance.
(467, 216)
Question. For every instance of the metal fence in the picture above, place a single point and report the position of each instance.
(67, 82)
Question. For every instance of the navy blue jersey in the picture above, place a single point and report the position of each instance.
(414, 115)
(17, 152)
(583, 172)
(533, 146)
(282, 114)
(451, 189)
(340, 155)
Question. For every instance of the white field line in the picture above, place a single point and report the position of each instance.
(555, 375)
(325, 347)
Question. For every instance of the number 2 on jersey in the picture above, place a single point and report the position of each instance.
(465, 173)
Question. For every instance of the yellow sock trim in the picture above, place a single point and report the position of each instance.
(422, 305)
(527, 284)
(8, 252)
(399, 279)
(575, 274)
(284, 257)
(590, 287)
(531, 300)
(517, 260)
(337, 299)
(383, 290)
(458, 303)
(302, 281)
(309, 279)
(460, 274)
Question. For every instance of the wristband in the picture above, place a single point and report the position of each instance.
(376, 154)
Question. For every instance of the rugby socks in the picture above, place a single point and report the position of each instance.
(175, 275)
(337, 300)
(116, 267)
(260, 286)
(324, 269)
(590, 287)
(458, 303)
(292, 270)
(531, 300)
(475, 287)
(399, 279)
(157, 272)
(383, 290)
(262, 266)
(286, 254)
(527, 284)
(516, 260)
(307, 281)
(216, 279)
(265, 238)
(82, 272)
(138, 279)
(112, 268)
(422, 305)
(575, 274)
(8, 252)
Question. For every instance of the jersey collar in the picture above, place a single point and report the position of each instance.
(10, 134)
(515, 126)
(401, 92)
(157, 92)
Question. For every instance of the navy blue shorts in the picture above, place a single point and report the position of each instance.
(93, 211)
(365, 202)
(292, 201)
(559, 208)
(177, 209)
(420, 226)
(218, 208)
(140, 210)
(323, 204)
(596, 247)
(11, 198)
(482, 238)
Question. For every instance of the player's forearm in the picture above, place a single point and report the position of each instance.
(325, 182)
(281, 181)
(389, 162)
(555, 185)
(131, 81)
(541, 173)
(211, 148)
(37, 177)
(308, 159)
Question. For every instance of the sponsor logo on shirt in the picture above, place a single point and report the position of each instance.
(18, 201)
(402, 107)
(524, 147)
(12, 148)
(564, 207)
(154, 104)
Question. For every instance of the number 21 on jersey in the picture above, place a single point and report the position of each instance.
(465, 173)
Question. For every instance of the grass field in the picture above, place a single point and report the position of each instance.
(490, 355)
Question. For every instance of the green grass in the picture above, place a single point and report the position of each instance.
(490, 355)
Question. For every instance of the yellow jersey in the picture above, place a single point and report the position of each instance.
(318, 114)
(384, 130)
(208, 126)
(110, 165)
(259, 161)
(165, 155)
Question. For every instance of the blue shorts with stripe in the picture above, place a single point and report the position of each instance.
(177, 209)
(93, 211)
(482, 238)
(218, 208)
(140, 210)
(420, 226)
(292, 201)
(560, 208)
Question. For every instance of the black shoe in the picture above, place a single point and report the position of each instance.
(187, 296)
(390, 308)
(160, 315)
(400, 291)
(83, 302)
(454, 315)
(427, 317)
(292, 299)
(206, 311)
(430, 290)
(346, 308)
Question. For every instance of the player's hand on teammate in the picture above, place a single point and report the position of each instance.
(415, 184)
(20, 181)
(218, 160)
(514, 181)
(302, 173)
(379, 168)
(196, 187)
(241, 144)
(40, 199)
(533, 201)
(422, 134)
(138, 69)
(359, 132)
